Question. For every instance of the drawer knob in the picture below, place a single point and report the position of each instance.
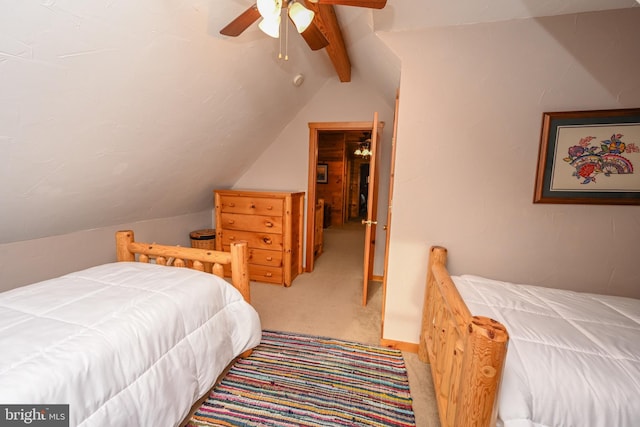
(269, 208)
(268, 224)
(267, 240)
(231, 221)
(232, 238)
(268, 275)
(231, 205)
(269, 258)
(253, 206)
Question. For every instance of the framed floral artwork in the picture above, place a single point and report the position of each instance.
(589, 157)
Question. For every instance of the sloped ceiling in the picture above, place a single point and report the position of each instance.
(119, 111)
(403, 15)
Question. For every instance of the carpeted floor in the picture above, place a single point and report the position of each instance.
(328, 302)
(302, 380)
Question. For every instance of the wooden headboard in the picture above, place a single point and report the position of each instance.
(198, 259)
(466, 352)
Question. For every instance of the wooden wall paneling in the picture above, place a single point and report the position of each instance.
(319, 231)
(345, 182)
(355, 172)
(331, 150)
(352, 189)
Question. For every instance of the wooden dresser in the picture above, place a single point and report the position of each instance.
(272, 224)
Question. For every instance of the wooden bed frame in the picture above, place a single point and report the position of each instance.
(198, 259)
(466, 352)
(210, 261)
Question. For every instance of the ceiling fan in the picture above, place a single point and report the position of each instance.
(364, 147)
(300, 12)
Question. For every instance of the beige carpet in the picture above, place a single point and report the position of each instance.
(328, 302)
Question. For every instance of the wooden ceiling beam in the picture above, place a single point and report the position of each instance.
(327, 21)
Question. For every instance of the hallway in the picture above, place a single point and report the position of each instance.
(327, 301)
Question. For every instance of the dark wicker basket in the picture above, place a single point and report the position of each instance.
(203, 239)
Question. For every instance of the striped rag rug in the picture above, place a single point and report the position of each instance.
(300, 380)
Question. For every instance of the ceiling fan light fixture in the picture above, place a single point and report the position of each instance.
(270, 27)
(300, 15)
(364, 149)
(269, 9)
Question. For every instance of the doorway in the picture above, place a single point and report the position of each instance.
(332, 146)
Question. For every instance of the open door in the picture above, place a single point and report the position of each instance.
(372, 207)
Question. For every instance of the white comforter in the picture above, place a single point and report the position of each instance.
(573, 359)
(125, 344)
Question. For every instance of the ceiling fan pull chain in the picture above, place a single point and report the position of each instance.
(286, 41)
(280, 38)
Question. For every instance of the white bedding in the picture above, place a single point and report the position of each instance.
(125, 344)
(573, 359)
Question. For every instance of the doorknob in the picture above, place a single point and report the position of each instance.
(369, 222)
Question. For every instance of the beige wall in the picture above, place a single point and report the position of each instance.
(471, 101)
(29, 261)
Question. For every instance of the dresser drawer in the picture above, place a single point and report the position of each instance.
(262, 273)
(251, 205)
(262, 257)
(265, 257)
(254, 240)
(259, 223)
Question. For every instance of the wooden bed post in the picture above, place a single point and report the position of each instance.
(466, 353)
(436, 254)
(123, 239)
(482, 363)
(239, 268)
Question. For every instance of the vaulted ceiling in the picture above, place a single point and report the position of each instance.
(118, 111)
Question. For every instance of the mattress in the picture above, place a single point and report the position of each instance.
(573, 359)
(124, 344)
